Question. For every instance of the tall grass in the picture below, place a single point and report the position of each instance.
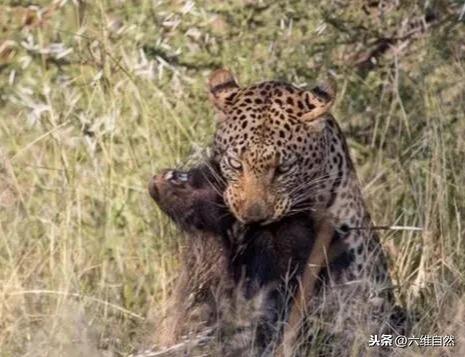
(95, 97)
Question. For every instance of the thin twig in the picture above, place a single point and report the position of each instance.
(197, 340)
(390, 228)
(64, 293)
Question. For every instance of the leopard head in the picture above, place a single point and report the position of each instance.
(270, 143)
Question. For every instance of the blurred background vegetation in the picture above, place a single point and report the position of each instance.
(96, 96)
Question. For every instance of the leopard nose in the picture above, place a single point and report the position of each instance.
(256, 213)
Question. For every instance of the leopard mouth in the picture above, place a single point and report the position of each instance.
(268, 221)
(260, 221)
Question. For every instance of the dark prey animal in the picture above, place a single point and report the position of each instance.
(224, 256)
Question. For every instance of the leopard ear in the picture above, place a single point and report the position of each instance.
(222, 87)
(319, 100)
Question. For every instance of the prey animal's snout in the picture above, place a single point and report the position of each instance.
(176, 177)
(162, 182)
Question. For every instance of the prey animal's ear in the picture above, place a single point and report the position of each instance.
(222, 87)
(319, 100)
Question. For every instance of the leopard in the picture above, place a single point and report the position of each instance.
(282, 152)
(224, 256)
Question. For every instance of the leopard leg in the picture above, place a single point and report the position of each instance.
(317, 260)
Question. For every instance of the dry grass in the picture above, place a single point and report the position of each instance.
(96, 96)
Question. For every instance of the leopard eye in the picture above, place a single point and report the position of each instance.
(234, 163)
(285, 167)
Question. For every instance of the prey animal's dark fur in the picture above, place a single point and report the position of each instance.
(249, 258)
